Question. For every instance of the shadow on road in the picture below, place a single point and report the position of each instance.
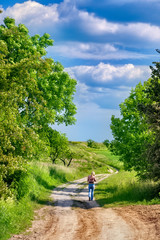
(76, 204)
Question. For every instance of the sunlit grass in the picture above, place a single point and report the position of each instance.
(34, 192)
(109, 158)
(125, 189)
(88, 159)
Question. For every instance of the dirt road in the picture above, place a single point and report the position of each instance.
(74, 217)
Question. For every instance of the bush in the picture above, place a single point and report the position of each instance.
(106, 143)
(92, 144)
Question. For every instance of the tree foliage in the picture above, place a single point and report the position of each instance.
(58, 143)
(131, 133)
(106, 142)
(35, 92)
(137, 132)
(91, 143)
(152, 113)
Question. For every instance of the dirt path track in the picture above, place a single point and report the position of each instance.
(74, 217)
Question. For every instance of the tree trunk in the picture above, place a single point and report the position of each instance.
(69, 162)
(63, 160)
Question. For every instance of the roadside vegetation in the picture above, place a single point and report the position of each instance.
(124, 189)
(34, 191)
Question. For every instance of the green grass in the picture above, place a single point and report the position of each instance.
(110, 159)
(88, 159)
(34, 192)
(125, 189)
(11, 216)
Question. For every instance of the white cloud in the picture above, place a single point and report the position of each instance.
(94, 51)
(33, 13)
(103, 73)
(102, 96)
(84, 50)
(96, 25)
(106, 85)
(141, 30)
(100, 26)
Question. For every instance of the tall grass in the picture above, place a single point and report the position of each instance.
(124, 188)
(14, 216)
(34, 191)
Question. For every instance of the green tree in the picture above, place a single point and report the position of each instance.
(58, 146)
(34, 93)
(152, 113)
(92, 144)
(131, 132)
(106, 142)
(58, 143)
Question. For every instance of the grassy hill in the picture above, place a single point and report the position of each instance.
(88, 159)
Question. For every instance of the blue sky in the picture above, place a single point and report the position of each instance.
(106, 45)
